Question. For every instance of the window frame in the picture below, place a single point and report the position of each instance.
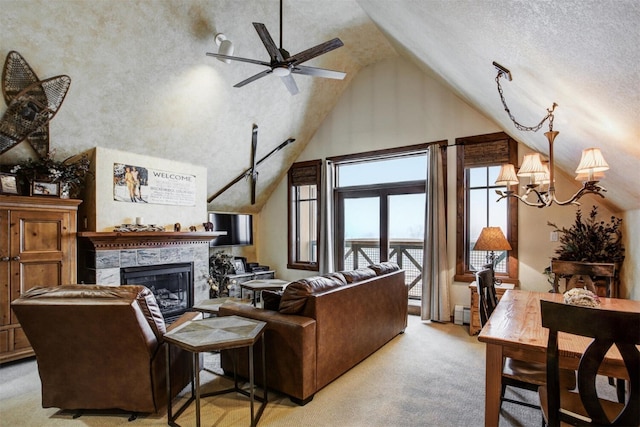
(388, 187)
(312, 171)
(498, 148)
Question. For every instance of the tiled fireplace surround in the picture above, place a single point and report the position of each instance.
(102, 255)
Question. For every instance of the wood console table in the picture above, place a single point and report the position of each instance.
(607, 275)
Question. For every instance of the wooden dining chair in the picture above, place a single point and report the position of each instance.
(516, 373)
(607, 328)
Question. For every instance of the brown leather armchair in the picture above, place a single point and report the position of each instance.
(101, 347)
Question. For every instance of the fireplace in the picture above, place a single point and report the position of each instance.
(171, 284)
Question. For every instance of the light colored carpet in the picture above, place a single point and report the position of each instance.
(432, 375)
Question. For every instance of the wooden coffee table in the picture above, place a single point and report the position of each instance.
(215, 334)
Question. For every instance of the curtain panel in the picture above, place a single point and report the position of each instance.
(435, 274)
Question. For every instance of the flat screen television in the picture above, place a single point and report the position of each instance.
(239, 228)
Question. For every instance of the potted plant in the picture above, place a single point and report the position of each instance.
(220, 266)
(590, 247)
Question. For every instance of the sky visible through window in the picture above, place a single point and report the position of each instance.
(406, 211)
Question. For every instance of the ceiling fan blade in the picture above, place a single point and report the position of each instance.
(237, 58)
(254, 174)
(318, 72)
(268, 42)
(318, 50)
(253, 78)
(291, 85)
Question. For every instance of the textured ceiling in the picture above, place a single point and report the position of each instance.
(141, 67)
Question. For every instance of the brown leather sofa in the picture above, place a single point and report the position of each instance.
(323, 326)
(101, 347)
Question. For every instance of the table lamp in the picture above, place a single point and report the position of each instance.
(492, 239)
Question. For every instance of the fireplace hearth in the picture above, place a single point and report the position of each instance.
(171, 284)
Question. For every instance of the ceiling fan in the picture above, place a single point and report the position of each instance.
(282, 64)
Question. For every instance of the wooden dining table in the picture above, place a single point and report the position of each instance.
(515, 330)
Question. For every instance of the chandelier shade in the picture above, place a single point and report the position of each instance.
(597, 176)
(592, 162)
(507, 175)
(531, 165)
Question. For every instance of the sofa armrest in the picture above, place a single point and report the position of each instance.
(290, 350)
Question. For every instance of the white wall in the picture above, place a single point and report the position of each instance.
(393, 104)
(104, 213)
(630, 278)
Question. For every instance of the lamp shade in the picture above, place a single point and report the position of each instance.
(492, 239)
(507, 175)
(592, 161)
(531, 165)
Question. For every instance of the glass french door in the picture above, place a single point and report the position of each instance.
(385, 223)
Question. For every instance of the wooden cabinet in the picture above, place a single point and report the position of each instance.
(37, 248)
(474, 321)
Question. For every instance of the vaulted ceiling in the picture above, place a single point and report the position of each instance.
(141, 81)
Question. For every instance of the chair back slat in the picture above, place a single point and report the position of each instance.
(607, 328)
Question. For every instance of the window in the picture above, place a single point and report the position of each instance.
(380, 210)
(304, 214)
(478, 165)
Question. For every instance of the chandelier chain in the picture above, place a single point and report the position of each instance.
(519, 126)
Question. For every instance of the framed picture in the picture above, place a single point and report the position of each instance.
(44, 188)
(238, 265)
(8, 184)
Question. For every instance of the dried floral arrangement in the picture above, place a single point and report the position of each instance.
(72, 170)
(590, 239)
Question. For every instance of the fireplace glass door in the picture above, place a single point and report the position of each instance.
(171, 284)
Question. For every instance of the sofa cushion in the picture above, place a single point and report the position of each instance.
(384, 267)
(296, 293)
(271, 299)
(352, 276)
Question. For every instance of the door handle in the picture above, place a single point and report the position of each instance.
(5, 259)
(15, 258)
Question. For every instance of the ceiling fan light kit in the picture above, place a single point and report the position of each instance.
(540, 173)
(281, 63)
(225, 47)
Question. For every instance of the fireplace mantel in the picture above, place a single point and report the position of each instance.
(146, 239)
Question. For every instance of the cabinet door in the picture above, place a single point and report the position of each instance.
(41, 249)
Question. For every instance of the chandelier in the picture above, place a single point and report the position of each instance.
(540, 188)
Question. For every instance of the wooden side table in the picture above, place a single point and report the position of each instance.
(474, 321)
(211, 306)
(257, 286)
(215, 334)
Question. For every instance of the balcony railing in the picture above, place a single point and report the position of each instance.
(408, 254)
